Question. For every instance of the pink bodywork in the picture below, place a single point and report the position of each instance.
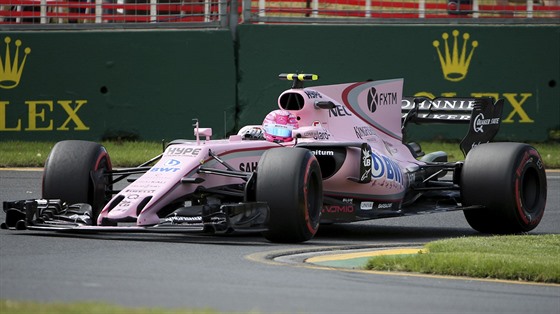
(367, 112)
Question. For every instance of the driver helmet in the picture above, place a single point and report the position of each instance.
(278, 126)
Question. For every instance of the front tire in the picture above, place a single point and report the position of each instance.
(74, 173)
(508, 179)
(289, 180)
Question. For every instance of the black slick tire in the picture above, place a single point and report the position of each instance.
(509, 180)
(289, 180)
(73, 173)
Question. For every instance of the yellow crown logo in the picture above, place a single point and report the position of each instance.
(10, 71)
(454, 64)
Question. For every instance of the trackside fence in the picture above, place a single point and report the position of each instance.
(222, 13)
(364, 11)
(211, 12)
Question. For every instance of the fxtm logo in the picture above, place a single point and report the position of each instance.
(375, 99)
(10, 71)
(455, 63)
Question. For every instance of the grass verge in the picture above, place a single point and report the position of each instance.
(34, 154)
(18, 307)
(123, 154)
(519, 257)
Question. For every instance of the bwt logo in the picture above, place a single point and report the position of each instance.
(164, 169)
(173, 162)
(375, 99)
(10, 66)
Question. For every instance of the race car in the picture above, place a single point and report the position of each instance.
(328, 154)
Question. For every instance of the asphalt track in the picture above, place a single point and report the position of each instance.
(244, 273)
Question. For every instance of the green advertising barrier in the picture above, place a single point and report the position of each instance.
(149, 85)
(518, 63)
(115, 84)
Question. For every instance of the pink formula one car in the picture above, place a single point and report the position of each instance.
(329, 154)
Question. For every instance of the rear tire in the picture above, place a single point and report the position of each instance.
(74, 173)
(510, 181)
(289, 180)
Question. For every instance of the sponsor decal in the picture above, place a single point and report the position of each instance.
(322, 135)
(182, 151)
(317, 135)
(319, 152)
(366, 205)
(248, 166)
(139, 191)
(539, 163)
(375, 99)
(385, 168)
(311, 94)
(148, 183)
(182, 219)
(173, 162)
(366, 164)
(123, 205)
(480, 122)
(339, 111)
(440, 104)
(453, 117)
(515, 100)
(475, 144)
(164, 169)
(364, 131)
(371, 205)
(463, 106)
(338, 209)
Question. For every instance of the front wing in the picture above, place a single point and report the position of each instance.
(55, 215)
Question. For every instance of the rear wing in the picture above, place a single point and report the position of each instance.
(483, 115)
